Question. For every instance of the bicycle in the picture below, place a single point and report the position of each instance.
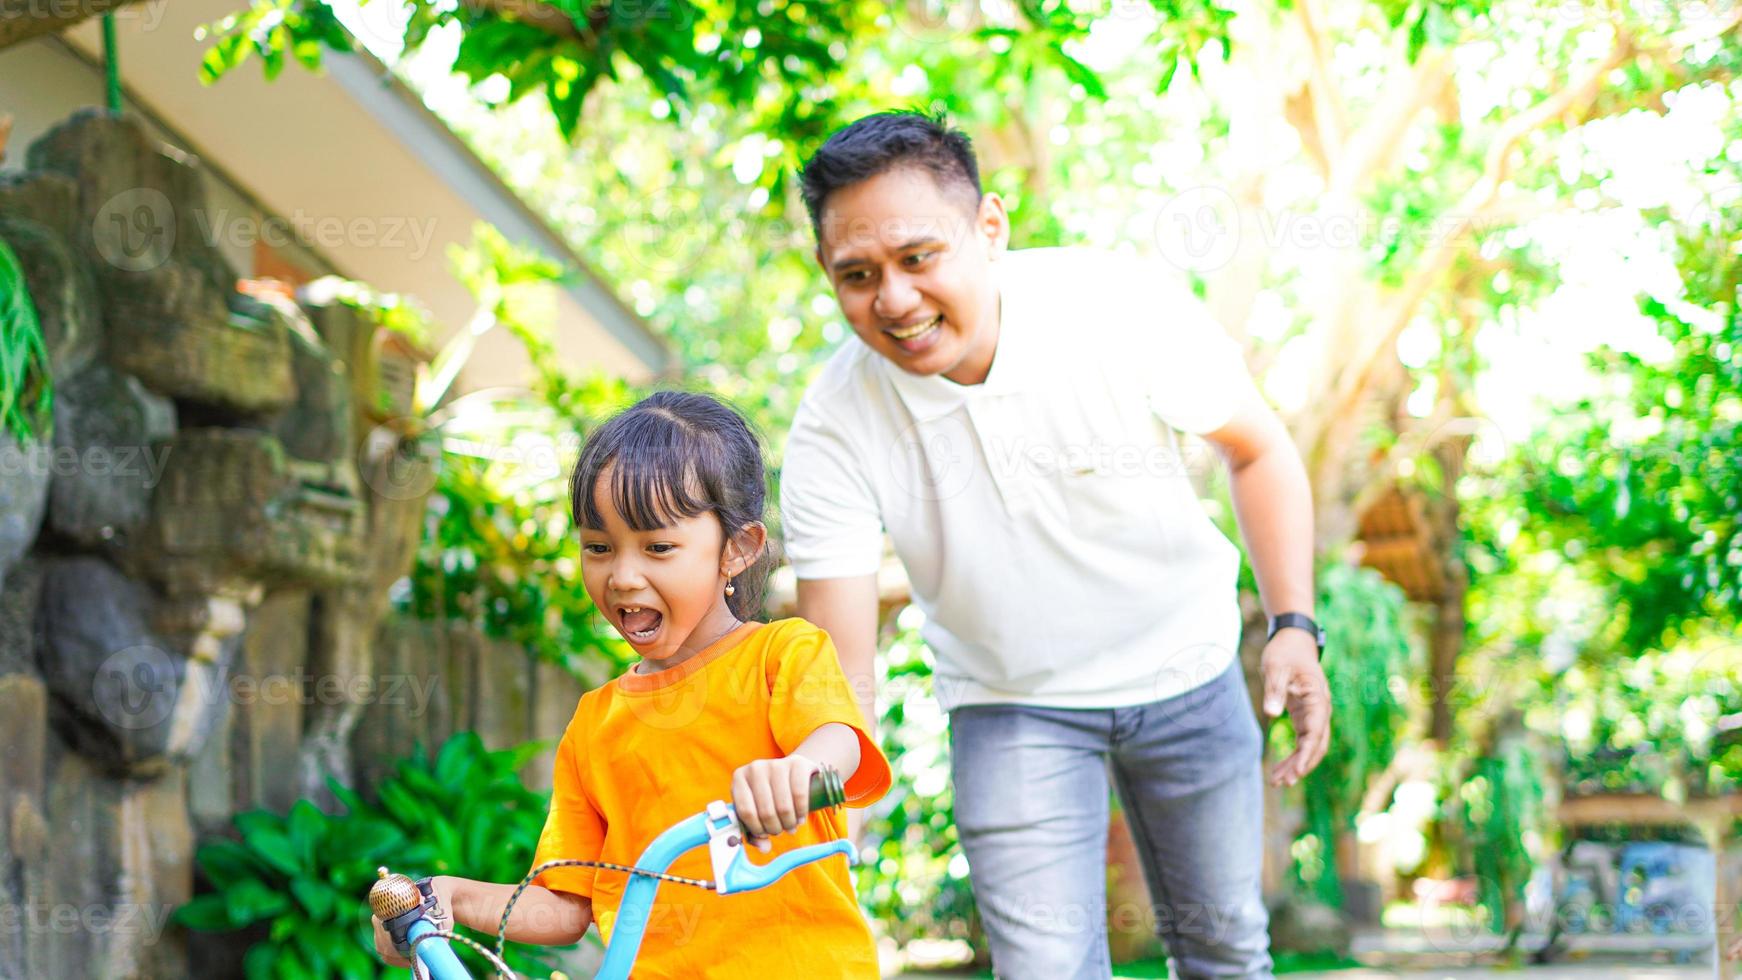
(404, 905)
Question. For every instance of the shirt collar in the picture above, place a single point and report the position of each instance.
(935, 395)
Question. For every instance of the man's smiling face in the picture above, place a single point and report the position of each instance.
(911, 263)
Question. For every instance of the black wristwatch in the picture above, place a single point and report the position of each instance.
(1300, 621)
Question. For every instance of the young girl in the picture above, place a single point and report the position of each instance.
(668, 498)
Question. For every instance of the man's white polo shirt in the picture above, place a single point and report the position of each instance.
(1046, 517)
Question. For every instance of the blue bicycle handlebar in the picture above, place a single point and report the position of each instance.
(404, 906)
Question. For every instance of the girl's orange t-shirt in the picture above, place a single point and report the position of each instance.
(646, 751)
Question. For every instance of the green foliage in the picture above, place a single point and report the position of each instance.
(1501, 810)
(302, 878)
(1637, 487)
(499, 549)
(565, 49)
(26, 390)
(271, 29)
(1367, 662)
(401, 314)
(917, 884)
(748, 57)
(1663, 722)
(1651, 503)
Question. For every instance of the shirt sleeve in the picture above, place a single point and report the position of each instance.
(1194, 374)
(808, 690)
(827, 508)
(574, 828)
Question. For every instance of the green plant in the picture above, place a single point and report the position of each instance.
(917, 883)
(498, 549)
(26, 391)
(401, 314)
(302, 877)
(1502, 813)
(1366, 661)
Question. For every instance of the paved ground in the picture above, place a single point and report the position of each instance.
(1437, 955)
(1583, 971)
(1586, 971)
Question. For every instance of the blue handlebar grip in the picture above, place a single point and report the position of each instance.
(436, 954)
(744, 876)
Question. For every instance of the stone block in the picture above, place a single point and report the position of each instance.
(119, 863)
(136, 689)
(233, 506)
(45, 197)
(24, 480)
(23, 827)
(317, 426)
(61, 291)
(111, 446)
(19, 634)
(268, 691)
(502, 714)
(169, 302)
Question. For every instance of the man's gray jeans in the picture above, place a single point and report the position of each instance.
(1031, 809)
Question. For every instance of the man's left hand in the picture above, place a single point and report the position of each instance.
(1294, 679)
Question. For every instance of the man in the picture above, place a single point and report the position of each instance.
(1010, 418)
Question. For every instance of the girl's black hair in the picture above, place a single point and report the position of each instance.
(678, 454)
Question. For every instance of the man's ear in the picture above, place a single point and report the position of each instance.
(993, 223)
(745, 547)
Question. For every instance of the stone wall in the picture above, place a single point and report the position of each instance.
(194, 567)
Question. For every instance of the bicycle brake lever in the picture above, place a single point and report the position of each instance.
(733, 870)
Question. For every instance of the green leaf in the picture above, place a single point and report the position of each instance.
(227, 862)
(1169, 68)
(315, 896)
(456, 758)
(346, 795)
(272, 52)
(258, 962)
(307, 52)
(356, 958)
(489, 45)
(305, 828)
(257, 821)
(274, 847)
(318, 950)
(206, 913)
(1080, 73)
(225, 53)
(251, 901)
(289, 965)
(405, 808)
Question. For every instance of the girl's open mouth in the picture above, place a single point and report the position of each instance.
(640, 625)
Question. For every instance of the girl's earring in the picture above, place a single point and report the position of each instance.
(730, 589)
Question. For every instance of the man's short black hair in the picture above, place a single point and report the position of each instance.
(882, 142)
